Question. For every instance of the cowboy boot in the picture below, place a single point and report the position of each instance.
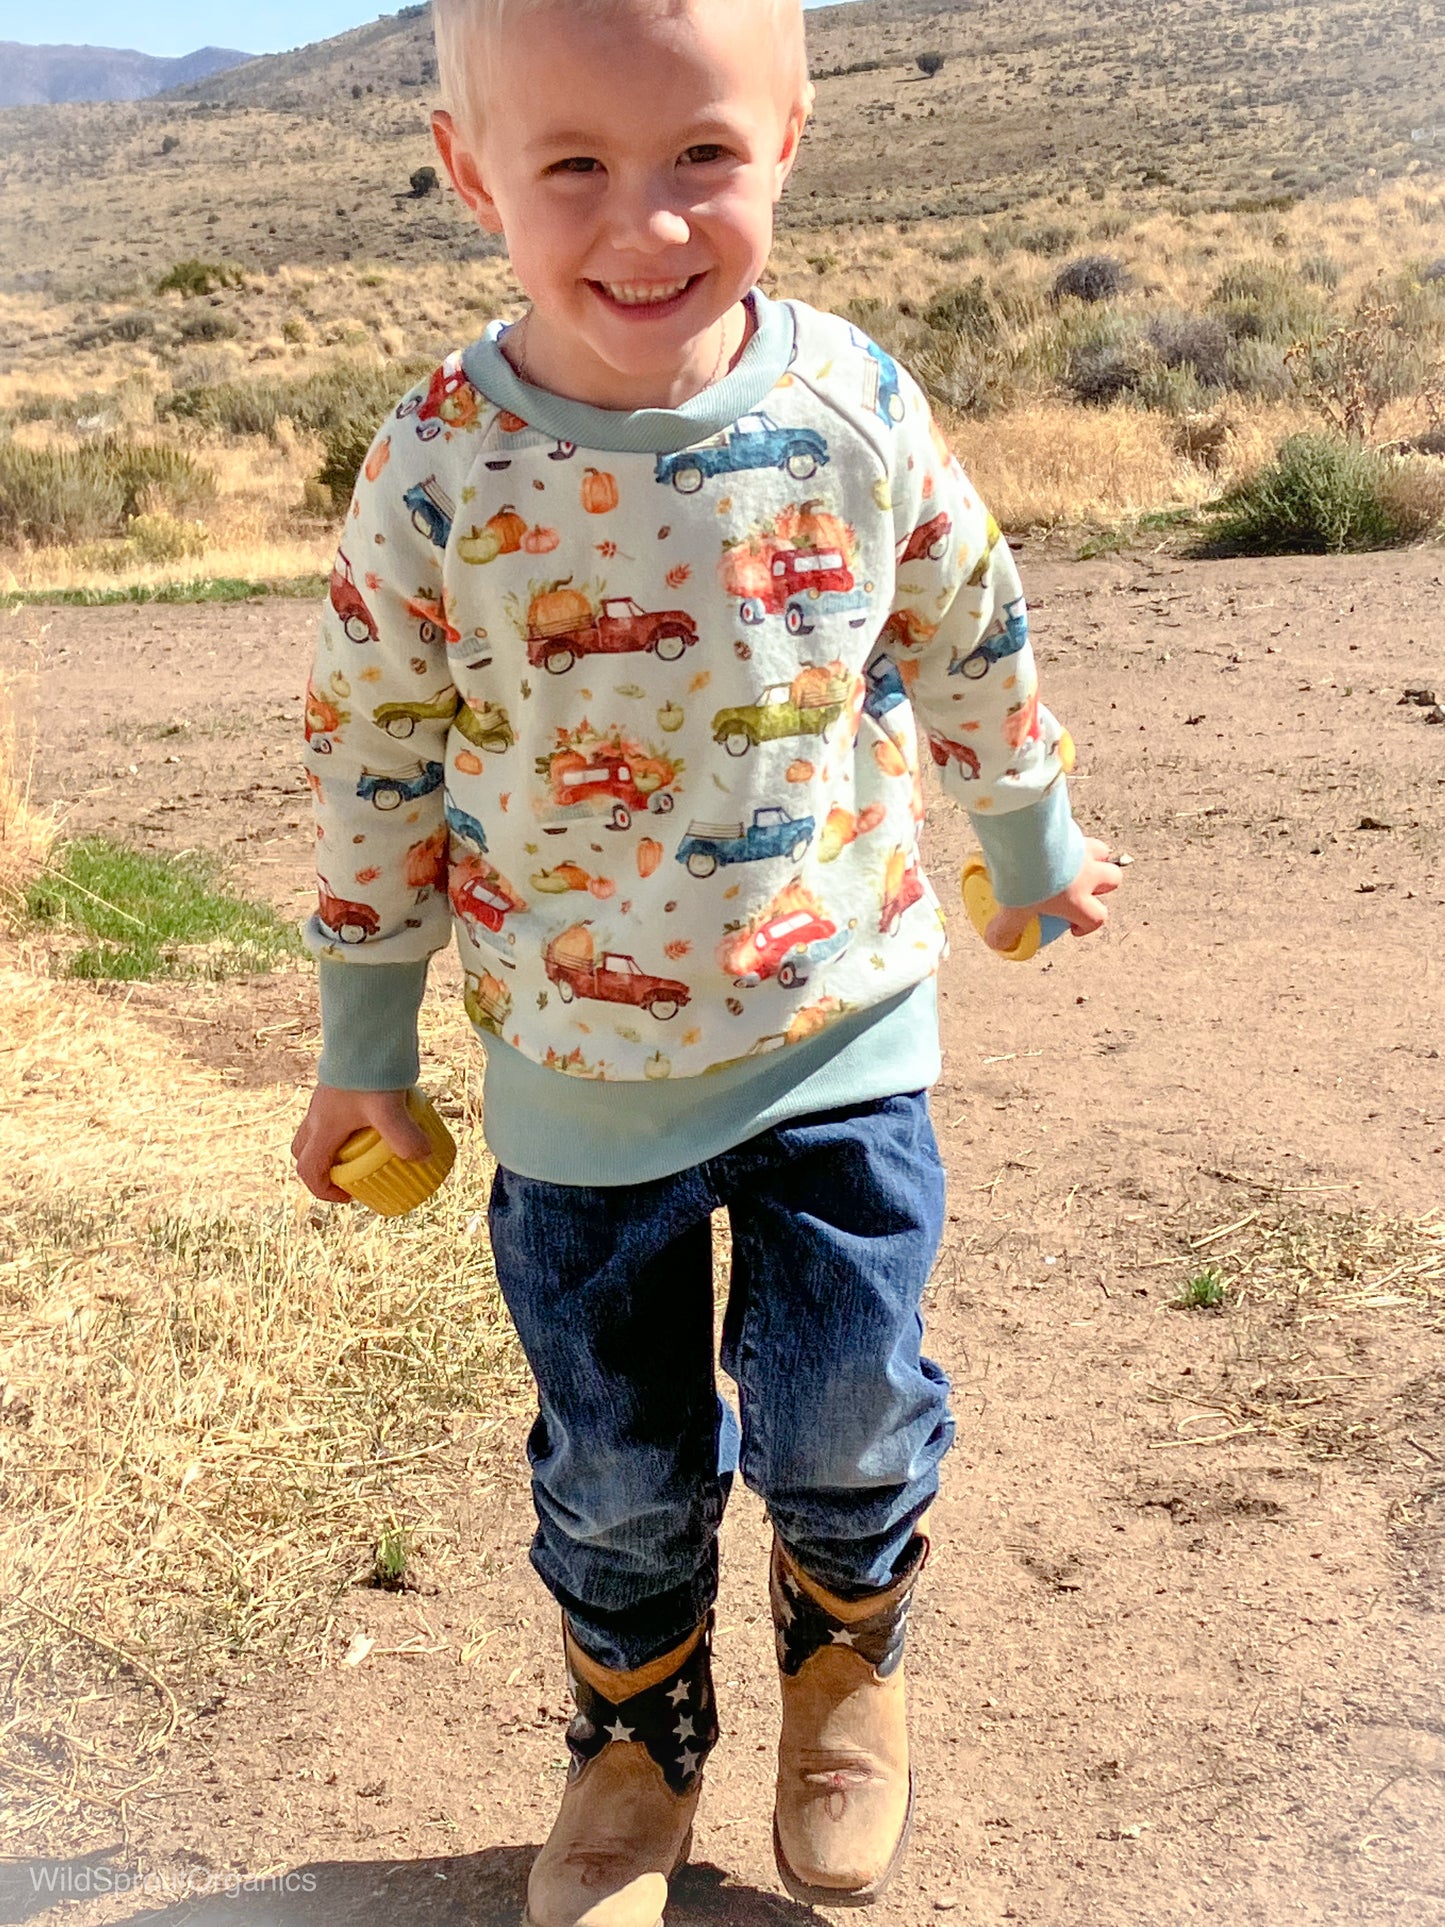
(638, 1743)
(845, 1793)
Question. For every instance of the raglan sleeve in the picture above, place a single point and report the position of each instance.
(379, 705)
(959, 634)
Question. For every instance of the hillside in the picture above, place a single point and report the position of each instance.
(48, 76)
(300, 157)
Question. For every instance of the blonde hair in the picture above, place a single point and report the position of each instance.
(464, 29)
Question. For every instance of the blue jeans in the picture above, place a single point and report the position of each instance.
(836, 1220)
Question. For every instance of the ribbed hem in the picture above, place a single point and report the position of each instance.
(566, 1130)
(642, 431)
(368, 1025)
(1032, 853)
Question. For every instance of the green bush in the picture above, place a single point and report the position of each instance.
(1092, 277)
(209, 326)
(1321, 495)
(317, 404)
(68, 495)
(344, 447)
(195, 277)
(1263, 302)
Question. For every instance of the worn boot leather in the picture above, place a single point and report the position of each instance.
(845, 1795)
(638, 1743)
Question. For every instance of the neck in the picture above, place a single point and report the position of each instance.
(545, 363)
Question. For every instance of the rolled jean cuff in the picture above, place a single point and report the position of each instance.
(625, 1638)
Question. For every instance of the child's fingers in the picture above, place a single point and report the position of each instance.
(1006, 928)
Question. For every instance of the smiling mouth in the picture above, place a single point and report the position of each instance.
(645, 294)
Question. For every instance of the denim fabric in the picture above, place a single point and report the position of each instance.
(835, 1221)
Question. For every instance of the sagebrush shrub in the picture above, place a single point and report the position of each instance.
(316, 403)
(1092, 277)
(344, 446)
(1100, 375)
(209, 326)
(1196, 341)
(1321, 495)
(69, 495)
(967, 309)
(196, 277)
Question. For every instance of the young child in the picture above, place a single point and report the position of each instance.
(648, 608)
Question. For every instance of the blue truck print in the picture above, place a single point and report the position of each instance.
(883, 687)
(755, 442)
(882, 391)
(466, 828)
(432, 510)
(390, 792)
(772, 832)
(1004, 637)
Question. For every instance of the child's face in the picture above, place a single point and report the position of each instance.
(633, 161)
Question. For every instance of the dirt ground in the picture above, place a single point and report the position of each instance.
(1181, 1652)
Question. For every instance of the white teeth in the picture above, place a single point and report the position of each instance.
(634, 294)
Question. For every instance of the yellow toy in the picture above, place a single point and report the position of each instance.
(983, 906)
(370, 1170)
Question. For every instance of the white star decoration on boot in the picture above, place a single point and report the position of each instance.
(786, 1613)
(678, 1695)
(842, 1637)
(617, 1731)
(684, 1730)
(687, 1761)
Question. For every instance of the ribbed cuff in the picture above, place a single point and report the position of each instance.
(368, 1025)
(1032, 853)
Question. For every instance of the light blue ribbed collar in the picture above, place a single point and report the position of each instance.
(642, 431)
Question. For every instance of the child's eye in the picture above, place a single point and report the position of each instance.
(704, 152)
(575, 164)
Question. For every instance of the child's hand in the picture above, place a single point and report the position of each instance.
(1078, 905)
(331, 1119)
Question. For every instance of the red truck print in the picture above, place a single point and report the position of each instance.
(480, 894)
(613, 978)
(430, 613)
(619, 628)
(449, 402)
(902, 888)
(346, 599)
(615, 778)
(351, 922)
(945, 753)
(929, 541)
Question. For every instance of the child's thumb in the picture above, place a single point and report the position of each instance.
(1006, 928)
(399, 1128)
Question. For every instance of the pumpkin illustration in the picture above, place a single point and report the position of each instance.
(540, 541)
(377, 460)
(602, 888)
(890, 758)
(481, 545)
(657, 1066)
(649, 855)
(509, 528)
(671, 717)
(467, 763)
(557, 608)
(800, 772)
(811, 526)
(869, 817)
(599, 491)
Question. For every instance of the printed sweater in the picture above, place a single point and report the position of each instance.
(648, 735)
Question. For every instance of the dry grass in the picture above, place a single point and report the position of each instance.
(26, 831)
(1043, 460)
(213, 1402)
(1286, 1269)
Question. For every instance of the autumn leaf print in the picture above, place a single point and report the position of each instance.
(369, 875)
(693, 1036)
(372, 579)
(676, 577)
(699, 681)
(677, 949)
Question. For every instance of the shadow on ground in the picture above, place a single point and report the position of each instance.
(484, 1889)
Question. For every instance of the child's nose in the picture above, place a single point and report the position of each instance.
(646, 221)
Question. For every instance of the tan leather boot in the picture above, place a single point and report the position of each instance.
(638, 1743)
(845, 1794)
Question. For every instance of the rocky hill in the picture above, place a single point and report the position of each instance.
(48, 76)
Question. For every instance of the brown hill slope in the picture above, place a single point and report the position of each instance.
(299, 157)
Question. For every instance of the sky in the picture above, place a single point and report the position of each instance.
(171, 27)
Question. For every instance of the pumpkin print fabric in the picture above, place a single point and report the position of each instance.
(646, 731)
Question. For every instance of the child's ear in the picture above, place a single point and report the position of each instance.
(792, 135)
(460, 161)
